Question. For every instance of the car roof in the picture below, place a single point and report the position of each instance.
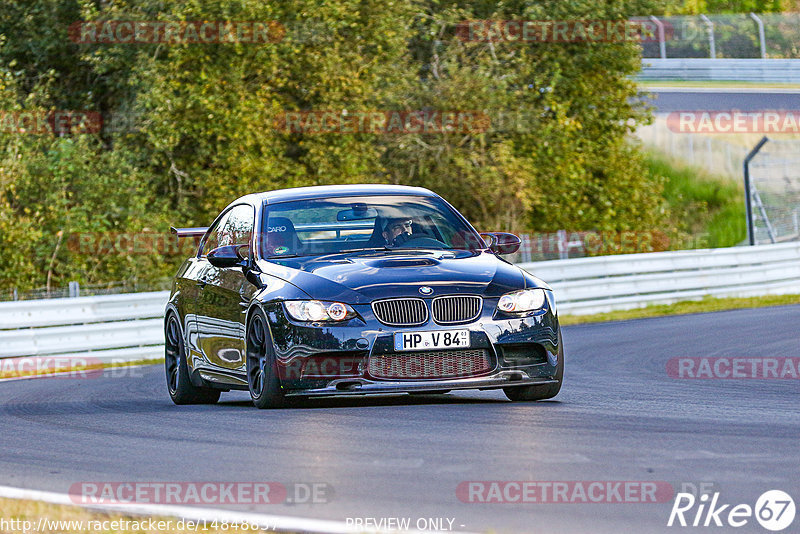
(328, 191)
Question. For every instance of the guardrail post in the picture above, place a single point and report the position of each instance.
(74, 289)
(662, 44)
(751, 238)
(761, 39)
(711, 44)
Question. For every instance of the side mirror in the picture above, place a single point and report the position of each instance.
(501, 242)
(229, 256)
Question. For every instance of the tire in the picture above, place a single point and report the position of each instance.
(546, 391)
(262, 369)
(179, 385)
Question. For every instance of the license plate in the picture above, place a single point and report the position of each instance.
(443, 339)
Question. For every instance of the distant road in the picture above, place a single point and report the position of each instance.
(668, 99)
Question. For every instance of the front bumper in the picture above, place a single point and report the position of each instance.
(324, 360)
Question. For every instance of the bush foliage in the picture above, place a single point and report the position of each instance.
(190, 127)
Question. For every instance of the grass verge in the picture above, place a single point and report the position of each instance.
(710, 209)
(19, 515)
(708, 304)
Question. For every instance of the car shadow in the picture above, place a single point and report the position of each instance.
(383, 400)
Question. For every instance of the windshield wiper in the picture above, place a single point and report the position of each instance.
(283, 256)
(367, 249)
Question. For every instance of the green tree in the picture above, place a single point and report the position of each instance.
(200, 121)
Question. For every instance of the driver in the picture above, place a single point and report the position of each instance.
(397, 231)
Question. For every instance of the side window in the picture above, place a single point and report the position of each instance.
(234, 228)
(212, 241)
(237, 229)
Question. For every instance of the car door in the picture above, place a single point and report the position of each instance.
(225, 294)
(191, 281)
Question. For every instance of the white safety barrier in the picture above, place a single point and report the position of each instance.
(130, 326)
(705, 69)
(605, 283)
(106, 328)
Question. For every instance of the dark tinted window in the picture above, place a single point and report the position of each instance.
(322, 226)
(234, 228)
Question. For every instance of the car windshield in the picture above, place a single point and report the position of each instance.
(350, 224)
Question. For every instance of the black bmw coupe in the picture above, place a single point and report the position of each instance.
(355, 290)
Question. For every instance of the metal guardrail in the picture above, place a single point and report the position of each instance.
(606, 283)
(705, 69)
(104, 328)
(130, 326)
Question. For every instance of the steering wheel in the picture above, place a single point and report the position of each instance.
(422, 241)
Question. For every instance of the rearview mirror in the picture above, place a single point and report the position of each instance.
(229, 256)
(501, 242)
(358, 212)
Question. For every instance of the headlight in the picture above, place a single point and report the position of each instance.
(524, 300)
(316, 310)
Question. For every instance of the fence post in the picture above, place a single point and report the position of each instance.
(711, 44)
(761, 39)
(662, 45)
(751, 238)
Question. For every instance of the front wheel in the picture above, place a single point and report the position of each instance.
(545, 391)
(180, 387)
(262, 369)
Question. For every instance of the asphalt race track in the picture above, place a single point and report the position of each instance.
(667, 100)
(619, 417)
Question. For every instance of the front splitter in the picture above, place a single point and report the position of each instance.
(360, 386)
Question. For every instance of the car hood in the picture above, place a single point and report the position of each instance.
(362, 278)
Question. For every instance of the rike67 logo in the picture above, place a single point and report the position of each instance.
(774, 510)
